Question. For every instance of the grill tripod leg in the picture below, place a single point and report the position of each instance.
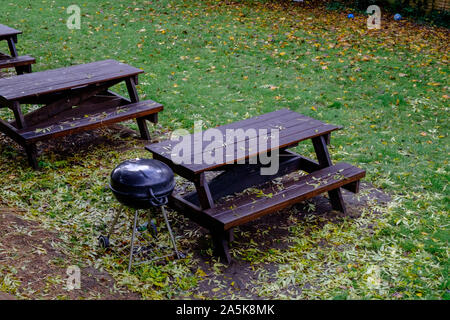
(172, 238)
(111, 230)
(132, 240)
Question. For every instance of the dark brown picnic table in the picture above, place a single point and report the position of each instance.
(209, 206)
(20, 63)
(73, 99)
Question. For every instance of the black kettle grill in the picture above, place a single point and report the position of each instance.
(142, 184)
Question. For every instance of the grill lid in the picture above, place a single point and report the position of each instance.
(142, 179)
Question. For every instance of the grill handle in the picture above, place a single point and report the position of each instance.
(157, 202)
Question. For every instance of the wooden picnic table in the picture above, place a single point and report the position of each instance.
(73, 99)
(13, 60)
(209, 205)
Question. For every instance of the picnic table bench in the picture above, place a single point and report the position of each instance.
(13, 60)
(74, 99)
(209, 205)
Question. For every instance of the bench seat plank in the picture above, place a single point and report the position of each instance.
(9, 62)
(89, 116)
(244, 208)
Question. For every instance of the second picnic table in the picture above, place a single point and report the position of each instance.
(74, 99)
(206, 205)
(21, 63)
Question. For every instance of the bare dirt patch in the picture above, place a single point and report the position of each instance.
(33, 267)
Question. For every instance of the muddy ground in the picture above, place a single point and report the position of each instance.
(41, 268)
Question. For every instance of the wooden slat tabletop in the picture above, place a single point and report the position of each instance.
(7, 31)
(293, 127)
(50, 81)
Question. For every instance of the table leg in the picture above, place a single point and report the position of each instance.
(132, 92)
(20, 120)
(323, 156)
(203, 192)
(337, 202)
(27, 68)
(221, 245)
(221, 238)
(143, 129)
(13, 51)
(231, 235)
(153, 118)
(12, 47)
(31, 151)
(30, 148)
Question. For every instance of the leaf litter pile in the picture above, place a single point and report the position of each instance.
(222, 61)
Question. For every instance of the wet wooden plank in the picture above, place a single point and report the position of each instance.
(9, 62)
(245, 208)
(6, 31)
(278, 116)
(237, 152)
(86, 117)
(45, 82)
(293, 128)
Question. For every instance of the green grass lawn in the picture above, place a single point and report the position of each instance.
(221, 62)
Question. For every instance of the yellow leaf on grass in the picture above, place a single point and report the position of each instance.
(201, 273)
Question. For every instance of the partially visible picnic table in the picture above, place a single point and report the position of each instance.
(72, 99)
(210, 205)
(13, 60)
